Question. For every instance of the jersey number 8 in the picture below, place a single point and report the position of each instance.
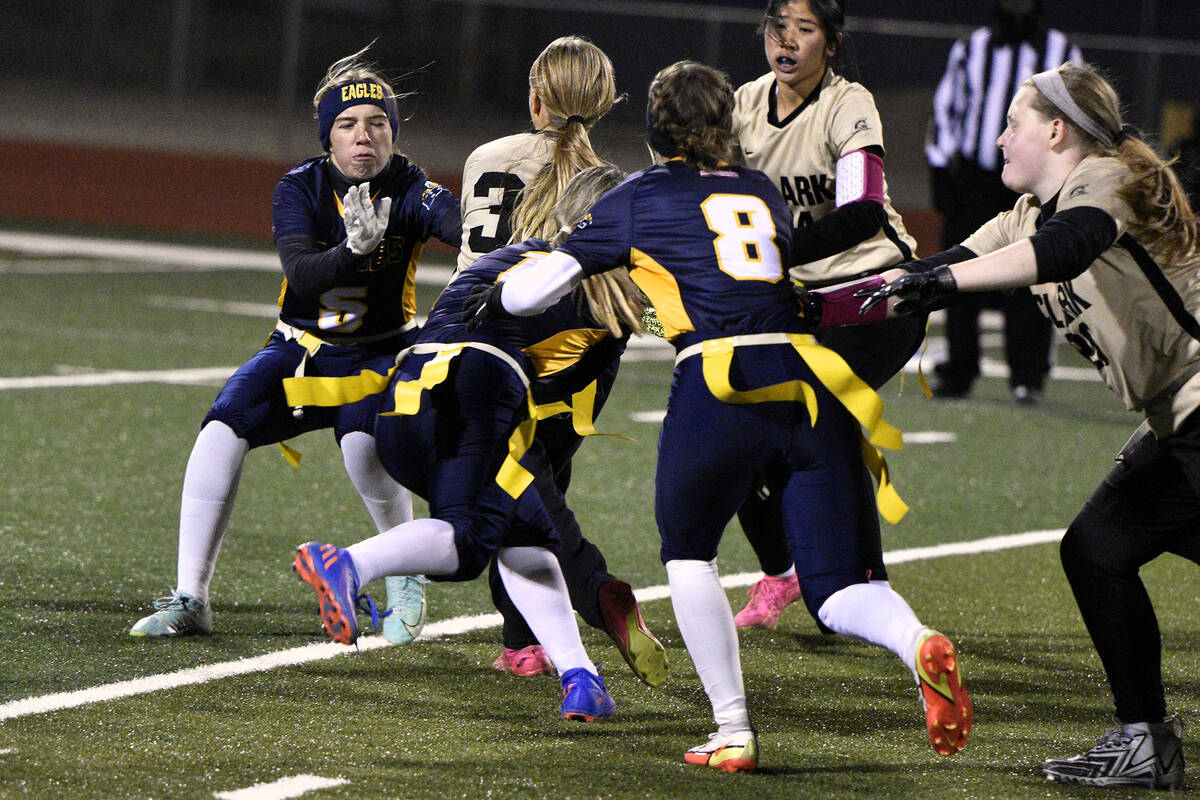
(745, 242)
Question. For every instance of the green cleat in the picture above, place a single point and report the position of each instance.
(179, 614)
(644, 654)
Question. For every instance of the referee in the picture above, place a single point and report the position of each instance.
(983, 73)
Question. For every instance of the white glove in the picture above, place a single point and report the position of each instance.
(364, 224)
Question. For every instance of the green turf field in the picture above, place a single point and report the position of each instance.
(88, 519)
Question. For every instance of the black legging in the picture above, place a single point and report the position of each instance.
(1148, 504)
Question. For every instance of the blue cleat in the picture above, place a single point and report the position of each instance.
(330, 571)
(584, 696)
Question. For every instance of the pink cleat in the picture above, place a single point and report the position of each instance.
(768, 598)
(527, 661)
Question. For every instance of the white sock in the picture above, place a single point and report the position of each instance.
(789, 572)
(419, 547)
(875, 612)
(210, 486)
(706, 624)
(536, 586)
(388, 503)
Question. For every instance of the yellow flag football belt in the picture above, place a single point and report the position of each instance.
(512, 477)
(835, 374)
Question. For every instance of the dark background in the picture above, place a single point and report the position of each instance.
(232, 80)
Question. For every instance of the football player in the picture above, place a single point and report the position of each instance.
(818, 137)
(511, 187)
(752, 393)
(455, 425)
(1106, 238)
(349, 226)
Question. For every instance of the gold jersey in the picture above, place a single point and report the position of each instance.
(493, 176)
(1131, 315)
(800, 155)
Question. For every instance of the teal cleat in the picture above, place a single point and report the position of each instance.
(178, 614)
(406, 608)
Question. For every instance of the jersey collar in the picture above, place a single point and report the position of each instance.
(772, 102)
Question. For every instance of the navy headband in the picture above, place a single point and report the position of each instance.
(660, 140)
(354, 93)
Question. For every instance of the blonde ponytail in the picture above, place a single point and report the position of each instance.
(576, 84)
(612, 298)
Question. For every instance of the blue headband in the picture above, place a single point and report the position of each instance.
(660, 140)
(354, 93)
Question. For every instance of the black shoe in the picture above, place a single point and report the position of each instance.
(1026, 395)
(950, 384)
(951, 389)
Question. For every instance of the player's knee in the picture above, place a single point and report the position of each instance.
(229, 416)
(471, 564)
(1087, 550)
(473, 554)
(814, 602)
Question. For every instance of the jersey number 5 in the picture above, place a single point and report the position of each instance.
(745, 242)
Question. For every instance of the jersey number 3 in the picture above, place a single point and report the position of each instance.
(745, 242)
(504, 188)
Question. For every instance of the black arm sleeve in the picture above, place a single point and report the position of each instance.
(952, 256)
(310, 269)
(839, 230)
(1070, 241)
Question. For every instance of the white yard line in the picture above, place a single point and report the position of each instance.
(112, 377)
(295, 786)
(434, 630)
(171, 256)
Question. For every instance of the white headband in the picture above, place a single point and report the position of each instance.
(1051, 84)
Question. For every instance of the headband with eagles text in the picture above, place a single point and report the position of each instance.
(354, 93)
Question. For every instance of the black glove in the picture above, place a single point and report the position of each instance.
(919, 292)
(482, 303)
(811, 305)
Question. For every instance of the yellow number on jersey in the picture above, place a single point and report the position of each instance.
(745, 242)
(343, 309)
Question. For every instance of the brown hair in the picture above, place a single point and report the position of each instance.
(576, 84)
(612, 298)
(691, 106)
(1161, 209)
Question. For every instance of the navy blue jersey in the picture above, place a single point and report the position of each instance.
(379, 297)
(704, 246)
(562, 349)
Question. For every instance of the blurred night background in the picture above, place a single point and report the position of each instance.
(179, 115)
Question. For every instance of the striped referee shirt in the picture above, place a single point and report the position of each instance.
(971, 101)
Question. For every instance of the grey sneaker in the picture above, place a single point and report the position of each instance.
(179, 614)
(1140, 754)
(406, 608)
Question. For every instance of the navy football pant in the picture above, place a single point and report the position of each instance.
(1147, 505)
(711, 452)
(876, 353)
(450, 451)
(253, 404)
(583, 565)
